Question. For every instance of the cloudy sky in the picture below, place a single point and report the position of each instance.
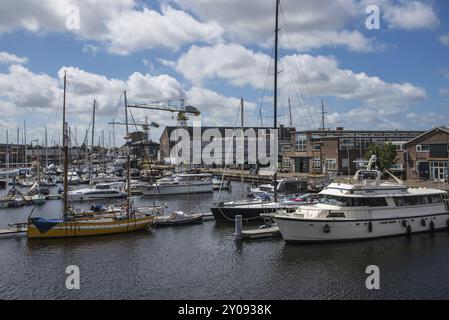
(212, 52)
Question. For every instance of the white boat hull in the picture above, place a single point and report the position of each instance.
(84, 197)
(178, 189)
(294, 229)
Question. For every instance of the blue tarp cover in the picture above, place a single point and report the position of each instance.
(43, 225)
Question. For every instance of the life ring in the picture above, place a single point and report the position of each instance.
(432, 226)
(423, 222)
(404, 223)
(370, 226)
(327, 228)
(409, 230)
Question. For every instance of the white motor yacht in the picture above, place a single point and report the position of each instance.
(364, 208)
(115, 190)
(181, 184)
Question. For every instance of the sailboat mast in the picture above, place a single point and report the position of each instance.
(128, 174)
(275, 104)
(290, 112)
(66, 149)
(243, 149)
(7, 157)
(46, 147)
(93, 137)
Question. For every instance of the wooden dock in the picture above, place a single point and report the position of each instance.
(271, 232)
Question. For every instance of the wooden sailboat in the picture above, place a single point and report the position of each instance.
(76, 224)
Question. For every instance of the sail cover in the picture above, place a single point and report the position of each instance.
(43, 225)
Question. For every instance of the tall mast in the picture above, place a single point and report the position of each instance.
(128, 176)
(323, 125)
(66, 149)
(275, 104)
(25, 142)
(46, 147)
(243, 148)
(7, 158)
(93, 142)
(290, 112)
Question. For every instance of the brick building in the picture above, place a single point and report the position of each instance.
(339, 151)
(427, 155)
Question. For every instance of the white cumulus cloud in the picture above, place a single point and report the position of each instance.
(9, 58)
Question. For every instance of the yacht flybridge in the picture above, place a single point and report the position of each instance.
(366, 207)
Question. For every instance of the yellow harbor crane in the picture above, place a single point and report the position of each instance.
(182, 110)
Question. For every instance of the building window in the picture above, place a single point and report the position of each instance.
(301, 142)
(362, 143)
(331, 164)
(345, 163)
(378, 140)
(316, 147)
(286, 163)
(422, 148)
(346, 143)
(287, 148)
(316, 163)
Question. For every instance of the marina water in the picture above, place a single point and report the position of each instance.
(205, 262)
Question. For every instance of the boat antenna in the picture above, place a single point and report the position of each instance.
(275, 104)
(66, 149)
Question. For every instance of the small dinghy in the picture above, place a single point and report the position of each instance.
(178, 218)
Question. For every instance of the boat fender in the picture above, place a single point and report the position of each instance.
(423, 222)
(370, 226)
(404, 223)
(432, 226)
(327, 228)
(409, 230)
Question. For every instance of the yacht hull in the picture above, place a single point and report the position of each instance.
(178, 189)
(248, 212)
(84, 197)
(294, 229)
(86, 228)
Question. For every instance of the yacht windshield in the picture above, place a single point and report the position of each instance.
(353, 202)
(335, 201)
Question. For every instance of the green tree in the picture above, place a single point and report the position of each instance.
(385, 154)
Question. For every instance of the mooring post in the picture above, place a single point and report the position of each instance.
(238, 226)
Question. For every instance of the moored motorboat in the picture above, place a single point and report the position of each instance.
(38, 199)
(366, 208)
(181, 184)
(100, 191)
(178, 218)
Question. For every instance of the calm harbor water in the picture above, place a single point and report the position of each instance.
(205, 262)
